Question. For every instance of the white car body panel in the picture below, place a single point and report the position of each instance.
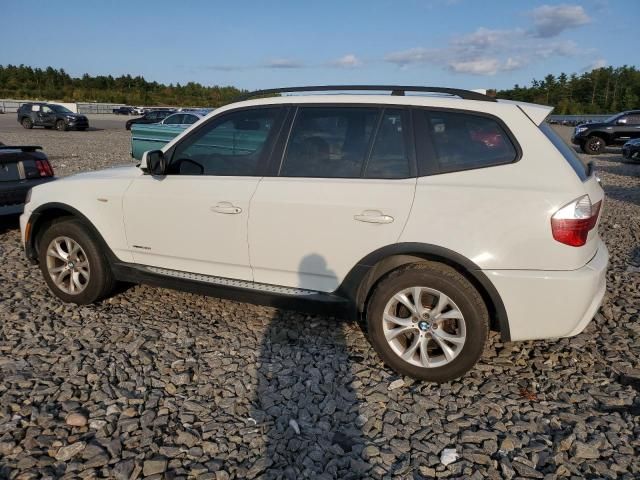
(302, 231)
(173, 223)
(96, 195)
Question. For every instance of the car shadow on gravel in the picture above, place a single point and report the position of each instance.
(9, 222)
(305, 403)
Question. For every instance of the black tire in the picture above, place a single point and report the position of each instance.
(61, 126)
(455, 286)
(101, 282)
(594, 146)
(27, 123)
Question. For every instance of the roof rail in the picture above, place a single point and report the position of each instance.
(394, 89)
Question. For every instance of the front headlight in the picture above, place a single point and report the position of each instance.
(581, 129)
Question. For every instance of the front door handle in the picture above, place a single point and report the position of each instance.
(373, 216)
(226, 208)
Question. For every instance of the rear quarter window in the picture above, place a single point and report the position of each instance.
(456, 141)
(567, 152)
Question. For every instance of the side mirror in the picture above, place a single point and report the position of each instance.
(153, 162)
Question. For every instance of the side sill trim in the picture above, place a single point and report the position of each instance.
(268, 295)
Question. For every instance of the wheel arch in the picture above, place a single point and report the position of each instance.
(47, 213)
(601, 134)
(360, 281)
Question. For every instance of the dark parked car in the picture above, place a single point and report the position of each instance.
(20, 169)
(152, 116)
(631, 150)
(123, 111)
(594, 137)
(50, 115)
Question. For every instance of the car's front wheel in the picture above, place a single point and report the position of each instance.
(71, 263)
(61, 126)
(427, 321)
(594, 146)
(27, 123)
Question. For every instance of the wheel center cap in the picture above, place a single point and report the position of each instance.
(70, 265)
(423, 325)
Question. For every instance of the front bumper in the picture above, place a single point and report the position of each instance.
(631, 152)
(77, 123)
(577, 139)
(551, 304)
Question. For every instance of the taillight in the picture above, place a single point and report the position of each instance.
(44, 168)
(573, 222)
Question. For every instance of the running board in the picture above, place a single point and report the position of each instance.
(229, 282)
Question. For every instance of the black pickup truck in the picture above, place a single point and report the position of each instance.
(21, 168)
(593, 138)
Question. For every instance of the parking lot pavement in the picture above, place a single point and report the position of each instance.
(153, 381)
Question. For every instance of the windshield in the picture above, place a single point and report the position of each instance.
(60, 109)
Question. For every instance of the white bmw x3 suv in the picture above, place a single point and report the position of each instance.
(433, 217)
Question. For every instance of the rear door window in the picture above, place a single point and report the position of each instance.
(389, 157)
(457, 141)
(329, 142)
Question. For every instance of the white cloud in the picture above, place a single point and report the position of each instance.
(283, 63)
(489, 51)
(600, 63)
(550, 21)
(483, 66)
(412, 56)
(347, 61)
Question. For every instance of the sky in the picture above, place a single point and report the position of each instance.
(265, 44)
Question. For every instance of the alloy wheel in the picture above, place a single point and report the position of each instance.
(424, 327)
(68, 265)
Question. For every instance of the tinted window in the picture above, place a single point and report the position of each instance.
(389, 157)
(633, 119)
(329, 142)
(463, 141)
(152, 116)
(230, 145)
(176, 119)
(567, 152)
(189, 119)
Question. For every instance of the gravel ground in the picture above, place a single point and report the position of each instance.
(155, 383)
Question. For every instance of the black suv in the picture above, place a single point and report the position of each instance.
(50, 115)
(152, 116)
(616, 130)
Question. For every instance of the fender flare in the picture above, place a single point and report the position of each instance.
(358, 282)
(39, 215)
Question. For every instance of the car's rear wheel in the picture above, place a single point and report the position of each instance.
(61, 126)
(427, 321)
(594, 146)
(71, 263)
(27, 123)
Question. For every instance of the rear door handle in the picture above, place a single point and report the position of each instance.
(373, 216)
(226, 208)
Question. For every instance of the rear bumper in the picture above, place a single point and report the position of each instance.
(552, 304)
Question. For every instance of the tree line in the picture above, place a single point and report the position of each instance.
(24, 82)
(601, 90)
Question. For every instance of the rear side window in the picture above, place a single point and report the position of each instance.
(464, 141)
(389, 158)
(567, 152)
(329, 142)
